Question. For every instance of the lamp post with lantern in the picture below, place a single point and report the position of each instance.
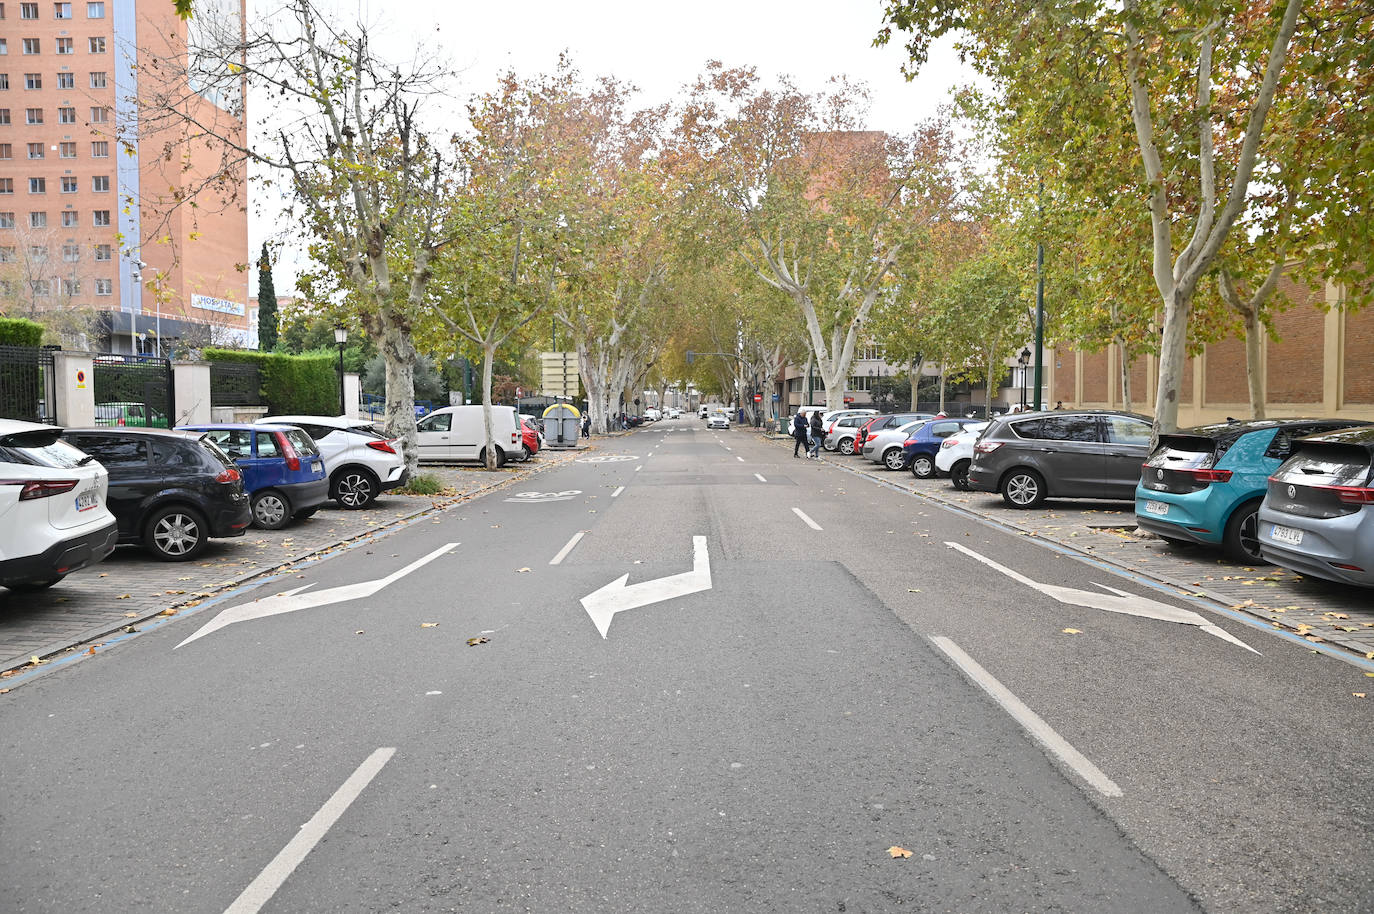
(340, 338)
(1023, 360)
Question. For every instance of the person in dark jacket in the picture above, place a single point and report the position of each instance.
(798, 433)
(817, 436)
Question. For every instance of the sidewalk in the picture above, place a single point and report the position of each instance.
(1321, 612)
(130, 587)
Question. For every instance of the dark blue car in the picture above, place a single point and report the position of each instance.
(283, 472)
(918, 452)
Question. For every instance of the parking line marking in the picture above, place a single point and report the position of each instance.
(617, 491)
(261, 889)
(1033, 723)
(739, 458)
(809, 522)
(638, 468)
(563, 553)
(759, 478)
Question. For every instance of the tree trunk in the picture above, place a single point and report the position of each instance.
(488, 356)
(942, 388)
(1254, 350)
(1173, 355)
(398, 354)
(915, 384)
(1125, 376)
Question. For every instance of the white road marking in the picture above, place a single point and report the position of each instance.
(563, 553)
(759, 478)
(617, 491)
(1033, 723)
(739, 458)
(292, 600)
(261, 889)
(602, 604)
(638, 468)
(1117, 601)
(808, 521)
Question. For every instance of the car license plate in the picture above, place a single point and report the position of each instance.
(87, 500)
(1286, 535)
(1156, 507)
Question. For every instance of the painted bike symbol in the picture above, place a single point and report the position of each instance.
(607, 458)
(542, 497)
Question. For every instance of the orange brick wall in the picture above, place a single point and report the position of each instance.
(1359, 358)
(1065, 376)
(1295, 361)
(1095, 377)
(1226, 373)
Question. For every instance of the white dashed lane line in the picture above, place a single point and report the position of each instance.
(572, 543)
(617, 491)
(759, 478)
(808, 521)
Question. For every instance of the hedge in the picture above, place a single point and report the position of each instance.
(291, 384)
(16, 331)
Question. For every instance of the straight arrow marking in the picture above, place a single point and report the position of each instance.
(292, 600)
(1117, 601)
(602, 604)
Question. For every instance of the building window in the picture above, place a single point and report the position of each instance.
(4, 116)
(66, 150)
(64, 46)
(6, 151)
(33, 45)
(98, 79)
(66, 115)
(62, 11)
(40, 287)
(38, 185)
(95, 10)
(6, 185)
(68, 185)
(100, 149)
(35, 150)
(103, 252)
(66, 80)
(2, 11)
(33, 115)
(6, 220)
(71, 287)
(38, 220)
(7, 254)
(102, 217)
(104, 287)
(96, 45)
(4, 45)
(100, 184)
(71, 253)
(28, 11)
(100, 115)
(33, 80)
(4, 82)
(69, 218)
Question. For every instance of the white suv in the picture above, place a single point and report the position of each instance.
(361, 463)
(956, 453)
(53, 516)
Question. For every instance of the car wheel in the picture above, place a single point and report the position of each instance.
(271, 510)
(500, 457)
(355, 487)
(958, 475)
(1023, 488)
(1240, 541)
(846, 447)
(176, 534)
(525, 453)
(34, 586)
(922, 466)
(892, 458)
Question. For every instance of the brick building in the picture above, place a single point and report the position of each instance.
(95, 187)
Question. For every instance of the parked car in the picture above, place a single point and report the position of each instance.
(534, 423)
(171, 491)
(133, 415)
(885, 447)
(718, 420)
(1204, 485)
(919, 449)
(1062, 454)
(876, 424)
(458, 433)
(1317, 516)
(956, 453)
(54, 517)
(840, 434)
(283, 472)
(674, 413)
(361, 463)
(530, 439)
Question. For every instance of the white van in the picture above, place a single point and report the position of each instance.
(455, 433)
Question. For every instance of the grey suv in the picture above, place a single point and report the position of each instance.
(1081, 454)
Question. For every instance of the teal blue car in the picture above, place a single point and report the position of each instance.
(1204, 485)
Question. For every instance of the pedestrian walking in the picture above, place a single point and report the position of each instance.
(798, 433)
(817, 436)
(586, 425)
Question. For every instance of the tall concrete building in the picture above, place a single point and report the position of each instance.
(120, 224)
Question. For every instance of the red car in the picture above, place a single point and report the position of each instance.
(529, 444)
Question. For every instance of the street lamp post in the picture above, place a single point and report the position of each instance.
(340, 338)
(1023, 360)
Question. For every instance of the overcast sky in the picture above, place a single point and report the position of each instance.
(658, 46)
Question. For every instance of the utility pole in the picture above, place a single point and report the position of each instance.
(1040, 305)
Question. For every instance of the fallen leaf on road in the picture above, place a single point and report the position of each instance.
(358, 632)
(1073, 631)
(909, 590)
(91, 651)
(124, 596)
(129, 630)
(473, 642)
(168, 612)
(1358, 694)
(521, 570)
(894, 851)
(131, 615)
(34, 660)
(429, 624)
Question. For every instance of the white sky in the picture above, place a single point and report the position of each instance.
(656, 46)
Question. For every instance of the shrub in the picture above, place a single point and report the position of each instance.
(423, 484)
(291, 384)
(16, 331)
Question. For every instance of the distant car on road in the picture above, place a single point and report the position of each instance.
(718, 420)
(361, 462)
(54, 516)
(282, 469)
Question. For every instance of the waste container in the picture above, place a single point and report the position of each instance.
(562, 425)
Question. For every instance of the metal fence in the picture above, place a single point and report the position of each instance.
(28, 388)
(235, 384)
(134, 390)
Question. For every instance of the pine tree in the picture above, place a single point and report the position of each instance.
(267, 304)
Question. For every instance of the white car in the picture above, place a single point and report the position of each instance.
(886, 446)
(53, 514)
(674, 413)
(718, 420)
(956, 453)
(361, 463)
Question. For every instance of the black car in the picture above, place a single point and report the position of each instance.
(170, 491)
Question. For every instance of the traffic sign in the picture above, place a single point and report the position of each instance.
(758, 398)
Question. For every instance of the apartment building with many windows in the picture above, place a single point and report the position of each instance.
(98, 237)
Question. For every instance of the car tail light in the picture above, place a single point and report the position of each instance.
(293, 460)
(385, 446)
(987, 447)
(948, 442)
(1354, 495)
(908, 442)
(40, 488)
(1205, 476)
(229, 475)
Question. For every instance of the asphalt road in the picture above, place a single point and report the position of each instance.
(756, 742)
